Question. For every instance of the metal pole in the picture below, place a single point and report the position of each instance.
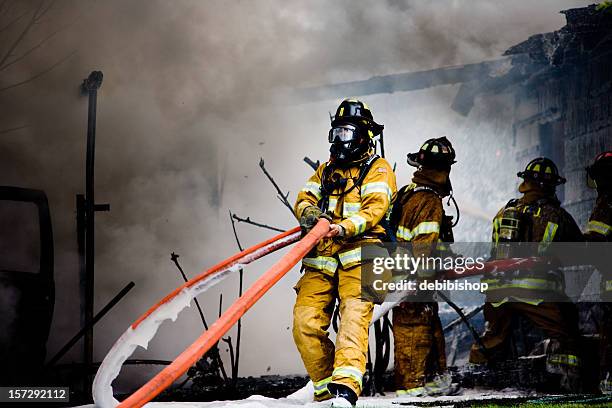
(90, 324)
(90, 86)
(80, 224)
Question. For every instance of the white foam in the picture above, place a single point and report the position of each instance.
(125, 346)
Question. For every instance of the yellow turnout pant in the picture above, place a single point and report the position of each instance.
(342, 363)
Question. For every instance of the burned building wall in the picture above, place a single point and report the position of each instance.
(563, 111)
(565, 108)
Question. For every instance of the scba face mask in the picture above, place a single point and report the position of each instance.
(346, 143)
(343, 134)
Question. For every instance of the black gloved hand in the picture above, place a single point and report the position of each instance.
(310, 217)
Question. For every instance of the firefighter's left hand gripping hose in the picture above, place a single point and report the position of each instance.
(199, 347)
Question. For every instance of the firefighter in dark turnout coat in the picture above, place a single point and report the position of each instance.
(535, 217)
(599, 229)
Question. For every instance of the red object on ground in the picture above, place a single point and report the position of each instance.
(199, 347)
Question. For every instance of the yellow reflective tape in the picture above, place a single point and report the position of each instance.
(525, 283)
(496, 230)
(359, 222)
(426, 227)
(533, 302)
(598, 227)
(341, 111)
(321, 263)
(608, 285)
(350, 372)
(551, 230)
(548, 170)
(433, 386)
(349, 209)
(313, 188)
(565, 359)
(376, 187)
(350, 257)
(320, 387)
(536, 168)
(501, 302)
(388, 213)
(331, 207)
(435, 149)
(403, 233)
(549, 236)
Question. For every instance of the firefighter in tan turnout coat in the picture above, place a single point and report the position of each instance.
(418, 217)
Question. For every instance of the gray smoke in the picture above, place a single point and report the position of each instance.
(185, 112)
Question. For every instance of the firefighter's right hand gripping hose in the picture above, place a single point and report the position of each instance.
(194, 352)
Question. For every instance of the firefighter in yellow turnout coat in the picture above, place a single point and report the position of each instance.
(419, 218)
(354, 190)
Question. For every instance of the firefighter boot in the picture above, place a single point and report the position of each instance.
(343, 395)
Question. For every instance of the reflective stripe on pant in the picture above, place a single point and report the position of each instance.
(326, 264)
(419, 345)
(564, 359)
(320, 389)
(559, 321)
(316, 296)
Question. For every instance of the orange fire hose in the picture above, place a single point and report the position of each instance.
(209, 338)
(237, 258)
(123, 347)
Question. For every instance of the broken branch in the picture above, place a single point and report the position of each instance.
(239, 329)
(248, 220)
(234, 229)
(228, 340)
(22, 34)
(281, 196)
(30, 50)
(34, 77)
